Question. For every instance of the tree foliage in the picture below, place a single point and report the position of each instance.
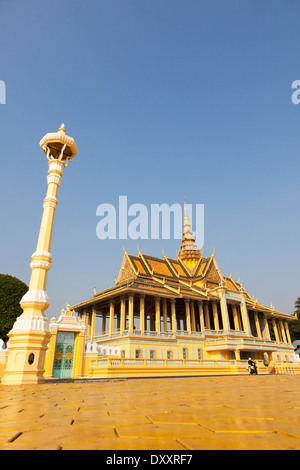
(11, 292)
(294, 326)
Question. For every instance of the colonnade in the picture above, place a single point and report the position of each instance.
(260, 327)
(146, 313)
(281, 331)
(162, 315)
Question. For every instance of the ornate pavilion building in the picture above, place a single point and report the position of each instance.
(170, 317)
(178, 316)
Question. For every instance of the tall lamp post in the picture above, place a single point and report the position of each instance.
(30, 334)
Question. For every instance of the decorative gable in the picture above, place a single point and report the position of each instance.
(127, 271)
(213, 275)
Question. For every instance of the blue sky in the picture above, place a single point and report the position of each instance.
(167, 100)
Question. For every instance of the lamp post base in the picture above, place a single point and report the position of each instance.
(28, 342)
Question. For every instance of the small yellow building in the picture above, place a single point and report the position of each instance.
(172, 317)
(65, 353)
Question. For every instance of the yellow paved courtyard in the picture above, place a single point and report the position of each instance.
(191, 413)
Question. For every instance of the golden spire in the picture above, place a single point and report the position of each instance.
(189, 252)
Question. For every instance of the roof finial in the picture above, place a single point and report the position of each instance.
(188, 249)
(187, 231)
(62, 128)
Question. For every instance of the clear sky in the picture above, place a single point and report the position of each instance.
(167, 100)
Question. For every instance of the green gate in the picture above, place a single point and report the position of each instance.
(64, 355)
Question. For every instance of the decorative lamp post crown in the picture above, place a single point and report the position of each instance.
(59, 146)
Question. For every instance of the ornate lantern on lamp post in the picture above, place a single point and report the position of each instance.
(30, 334)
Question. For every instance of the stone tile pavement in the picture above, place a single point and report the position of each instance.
(190, 413)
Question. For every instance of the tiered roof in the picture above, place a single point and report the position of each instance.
(191, 276)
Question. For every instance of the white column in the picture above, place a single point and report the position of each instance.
(130, 310)
(224, 311)
(93, 324)
(258, 330)
(188, 315)
(122, 314)
(142, 313)
(173, 315)
(111, 317)
(245, 317)
(216, 317)
(157, 315)
(201, 315)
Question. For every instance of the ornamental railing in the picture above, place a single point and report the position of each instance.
(232, 366)
(167, 334)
